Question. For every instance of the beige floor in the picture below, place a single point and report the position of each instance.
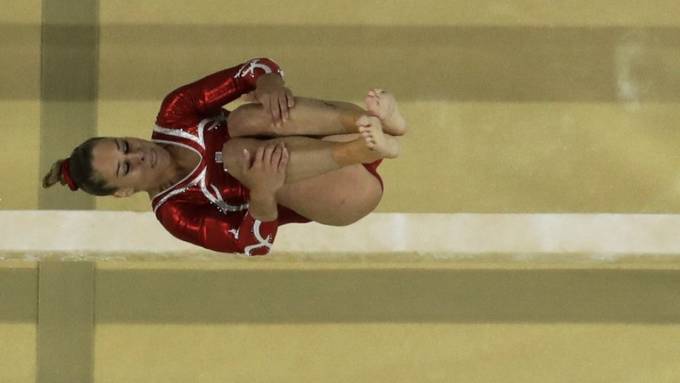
(434, 321)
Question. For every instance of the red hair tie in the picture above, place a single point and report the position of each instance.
(66, 175)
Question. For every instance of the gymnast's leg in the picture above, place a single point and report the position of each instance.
(337, 198)
(311, 117)
(310, 157)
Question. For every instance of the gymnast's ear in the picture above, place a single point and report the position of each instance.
(123, 192)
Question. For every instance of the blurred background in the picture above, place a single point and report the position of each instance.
(514, 106)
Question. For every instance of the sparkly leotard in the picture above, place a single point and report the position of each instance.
(209, 207)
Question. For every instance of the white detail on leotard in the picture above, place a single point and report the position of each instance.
(178, 133)
(169, 190)
(167, 196)
(217, 199)
(199, 140)
(210, 122)
(250, 66)
(215, 122)
(263, 242)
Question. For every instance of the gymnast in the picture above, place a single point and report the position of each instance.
(226, 180)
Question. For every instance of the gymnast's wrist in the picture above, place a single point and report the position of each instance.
(263, 205)
(269, 80)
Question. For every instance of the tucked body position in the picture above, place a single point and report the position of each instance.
(227, 180)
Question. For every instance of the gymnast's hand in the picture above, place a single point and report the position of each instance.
(264, 175)
(274, 96)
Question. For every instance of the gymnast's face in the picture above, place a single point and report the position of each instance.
(130, 164)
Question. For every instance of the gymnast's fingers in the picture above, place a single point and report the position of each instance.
(245, 164)
(266, 102)
(276, 155)
(289, 98)
(259, 156)
(283, 104)
(267, 157)
(274, 109)
(284, 160)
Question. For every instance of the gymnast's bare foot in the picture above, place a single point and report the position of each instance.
(371, 130)
(383, 105)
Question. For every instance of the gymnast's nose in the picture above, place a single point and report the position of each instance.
(137, 157)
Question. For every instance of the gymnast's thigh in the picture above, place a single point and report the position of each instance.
(338, 198)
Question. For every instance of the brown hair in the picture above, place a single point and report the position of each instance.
(80, 166)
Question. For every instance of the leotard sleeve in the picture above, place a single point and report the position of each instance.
(205, 226)
(209, 94)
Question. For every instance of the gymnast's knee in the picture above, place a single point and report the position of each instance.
(249, 120)
(232, 156)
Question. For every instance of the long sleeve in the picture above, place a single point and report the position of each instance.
(209, 94)
(206, 227)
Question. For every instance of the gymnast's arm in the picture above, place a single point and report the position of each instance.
(264, 174)
(205, 226)
(207, 95)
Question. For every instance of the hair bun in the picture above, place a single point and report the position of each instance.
(53, 176)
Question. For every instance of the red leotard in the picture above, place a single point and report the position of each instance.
(210, 207)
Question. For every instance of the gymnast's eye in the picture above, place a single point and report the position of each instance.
(126, 149)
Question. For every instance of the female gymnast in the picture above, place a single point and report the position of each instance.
(226, 180)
